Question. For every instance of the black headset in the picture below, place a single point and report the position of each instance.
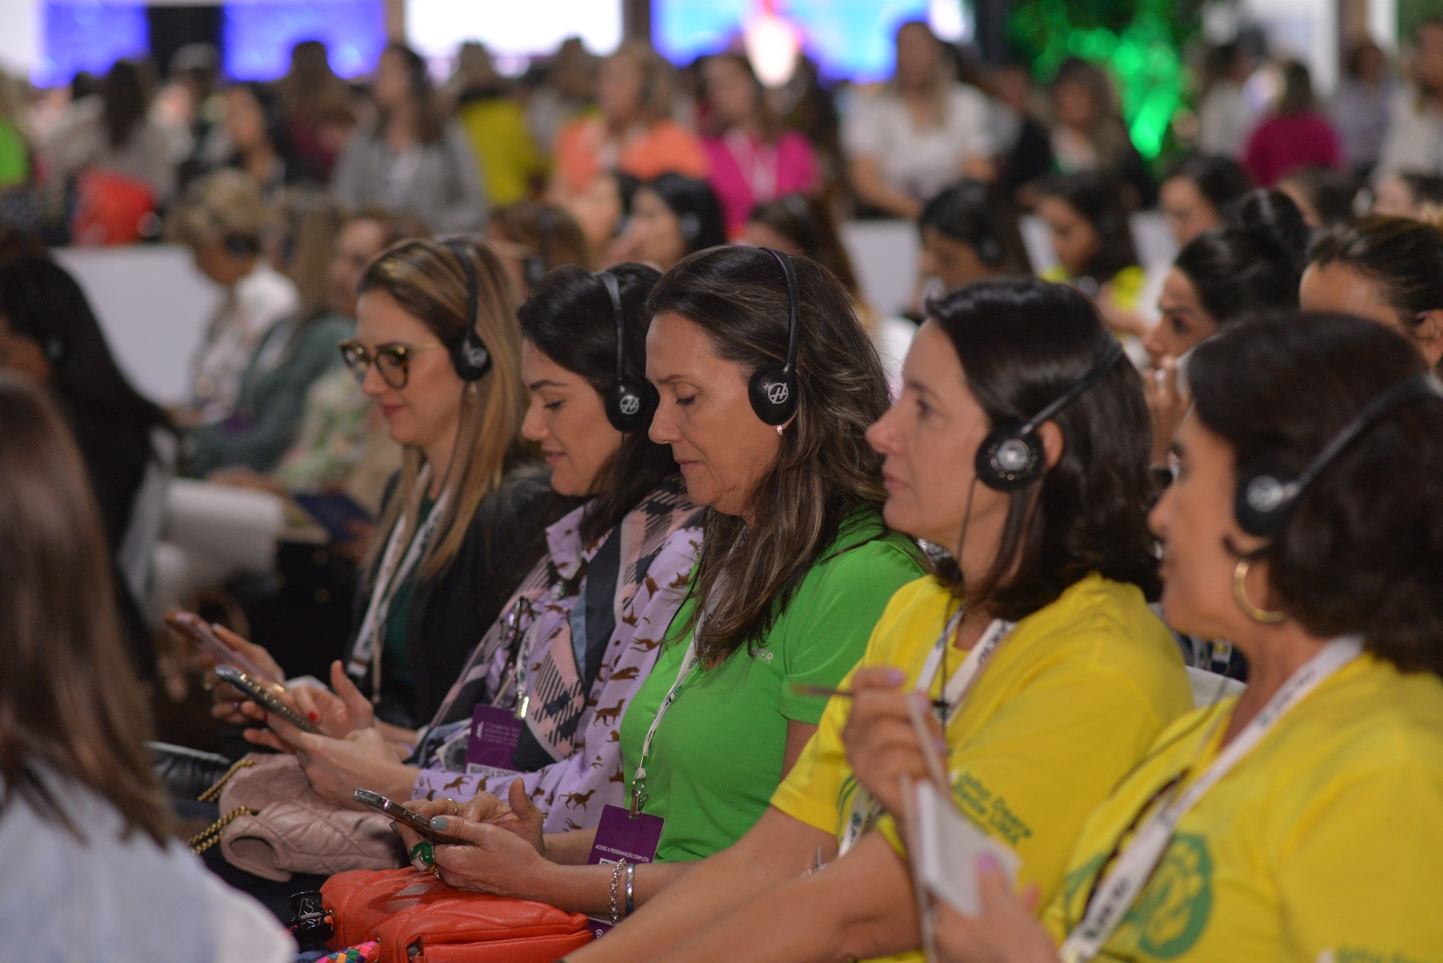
(628, 406)
(534, 268)
(1264, 500)
(470, 356)
(1011, 457)
(773, 388)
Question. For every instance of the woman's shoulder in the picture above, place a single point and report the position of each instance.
(1374, 717)
(866, 554)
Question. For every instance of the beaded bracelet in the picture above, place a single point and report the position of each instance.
(616, 872)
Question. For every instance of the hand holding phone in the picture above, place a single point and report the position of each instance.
(412, 820)
(192, 627)
(264, 698)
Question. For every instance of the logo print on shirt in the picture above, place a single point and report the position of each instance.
(1173, 909)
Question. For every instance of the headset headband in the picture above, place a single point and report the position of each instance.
(794, 305)
(613, 290)
(1108, 359)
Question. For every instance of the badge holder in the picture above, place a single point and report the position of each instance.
(495, 733)
(623, 834)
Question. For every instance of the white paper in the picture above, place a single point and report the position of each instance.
(945, 857)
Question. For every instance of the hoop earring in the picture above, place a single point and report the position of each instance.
(1240, 596)
(779, 431)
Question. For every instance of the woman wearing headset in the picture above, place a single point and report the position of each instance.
(1300, 821)
(438, 347)
(671, 217)
(1019, 444)
(796, 566)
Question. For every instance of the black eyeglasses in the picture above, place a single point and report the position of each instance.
(393, 361)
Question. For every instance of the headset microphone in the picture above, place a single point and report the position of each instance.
(1011, 457)
(628, 407)
(773, 388)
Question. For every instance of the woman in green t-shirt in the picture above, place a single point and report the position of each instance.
(796, 567)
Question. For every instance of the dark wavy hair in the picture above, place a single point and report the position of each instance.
(570, 319)
(1097, 199)
(695, 206)
(69, 703)
(1403, 256)
(825, 469)
(1220, 180)
(1363, 550)
(808, 223)
(1253, 261)
(1022, 343)
(970, 212)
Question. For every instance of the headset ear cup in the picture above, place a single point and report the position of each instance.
(628, 407)
(1262, 503)
(470, 357)
(773, 393)
(1008, 461)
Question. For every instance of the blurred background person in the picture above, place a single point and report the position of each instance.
(495, 125)
(415, 160)
(259, 144)
(1325, 195)
(754, 160)
(1359, 107)
(917, 134)
(49, 334)
(222, 220)
(567, 87)
(1409, 195)
(803, 226)
(634, 132)
(969, 233)
(1092, 239)
(1197, 193)
(1415, 122)
(532, 239)
(1295, 135)
(1029, 155)
(602, 212)
(105, 878)
(1225, 118)
(671, 217)
(317, 112)
(1089, 133)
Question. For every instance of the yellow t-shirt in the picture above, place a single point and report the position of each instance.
(1323, 845)
(1069, 703)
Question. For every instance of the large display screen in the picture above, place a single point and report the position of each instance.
(257, 36)
(514, 33)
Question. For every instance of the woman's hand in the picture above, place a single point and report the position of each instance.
(489, 860)
(228, 701)
(336, 768)
(1006, 932)
(881, 741)
(1167, 402)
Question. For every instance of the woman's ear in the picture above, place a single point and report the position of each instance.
(1428, 336)
(1052, 443)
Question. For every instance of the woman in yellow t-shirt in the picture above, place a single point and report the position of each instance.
(1302, 821)
(1052, 576)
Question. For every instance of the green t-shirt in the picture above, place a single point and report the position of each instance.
(717, 756)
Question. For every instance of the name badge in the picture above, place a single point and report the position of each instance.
(495, 733)
(620, 835)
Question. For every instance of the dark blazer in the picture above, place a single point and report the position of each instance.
(451, 612)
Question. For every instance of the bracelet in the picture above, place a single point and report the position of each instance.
(630, 884)
(615, 881)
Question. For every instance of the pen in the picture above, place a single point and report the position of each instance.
(819, 691)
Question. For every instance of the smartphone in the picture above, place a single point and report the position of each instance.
(409, 818)
(190, 626)
(334, 512)
(264, 698)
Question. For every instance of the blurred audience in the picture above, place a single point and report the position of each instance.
(1359, 107)
(753, 159)
(1092, 239)
(1089, 133)
(1197, 193)
(1409, 195)
(415, 160)
(495, 124)
(970, 233)
(1325, 195)
(222, 219)
(1415, 122)
(317, 112)
(671, 217)
(1295, 135)
(532, 239)
(1225, 118)
(917, 134)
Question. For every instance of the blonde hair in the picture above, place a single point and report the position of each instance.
(656, 78)
(221, 206)
(428, 281)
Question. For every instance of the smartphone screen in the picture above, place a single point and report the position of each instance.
(233, 676)
(413, 820)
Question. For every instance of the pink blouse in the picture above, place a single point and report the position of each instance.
(747, 172)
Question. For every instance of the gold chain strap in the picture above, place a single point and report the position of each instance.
(213, 793)
(208, 837)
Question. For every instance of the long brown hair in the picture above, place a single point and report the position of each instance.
(428, 281)
(69, 702)
(825, 469)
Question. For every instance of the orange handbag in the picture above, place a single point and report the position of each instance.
(416, 918)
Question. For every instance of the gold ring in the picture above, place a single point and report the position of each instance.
(436, 872)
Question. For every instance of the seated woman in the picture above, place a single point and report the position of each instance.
(1051, 570)
(438, 347)
(969, 233)
(796, 566)
(584, 623)
(671, 217)
(533, 238)
(1196, 194)
(1301, 820)
(1251, 262)
(1385, 269)
(1092, 239)
(104, 877)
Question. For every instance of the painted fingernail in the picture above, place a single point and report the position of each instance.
(438, 822)
(895, 676)
(987, 863)
(314, 716)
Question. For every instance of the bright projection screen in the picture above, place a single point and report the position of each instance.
(513, 32)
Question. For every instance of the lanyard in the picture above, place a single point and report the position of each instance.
(389, 578)
(523, 640)
(1120, 887)
(757, 163)
(864, 809)
(689, 661)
